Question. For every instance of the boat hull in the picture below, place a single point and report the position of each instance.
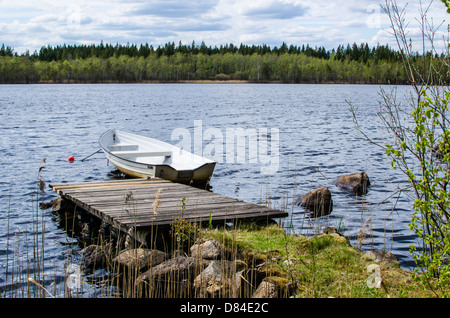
(201, 173)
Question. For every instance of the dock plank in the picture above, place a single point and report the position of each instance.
(130, 203)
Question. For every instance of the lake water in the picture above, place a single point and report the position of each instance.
(317, 144)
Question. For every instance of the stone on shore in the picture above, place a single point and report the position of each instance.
(172, 271)
(318, 201)
(274, 287)
(220, 279)
(356, 182)
(381, 257)
(139, 258)
(266, 290)
(206, 249)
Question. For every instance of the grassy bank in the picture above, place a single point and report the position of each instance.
(321, 266)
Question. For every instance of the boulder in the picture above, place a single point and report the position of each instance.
(220, 279)
(45, 205)
(136, 238)
(266, 290)
(255, 275)
(206, 249)
(139, 258)
(333, 232)
(329, 230)
(179, 266)
(172, 271)
(381, 257)
(251, 278)
(318, 201)
(56, 204)
(94, 256)
(61, 205)
(274, 287)
(356, 182)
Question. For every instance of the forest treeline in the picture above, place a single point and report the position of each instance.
(170, 63)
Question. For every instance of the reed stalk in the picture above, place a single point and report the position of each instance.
(318, 265)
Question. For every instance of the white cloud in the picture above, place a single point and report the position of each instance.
(275, 10)
(172, 8)
(28, 24)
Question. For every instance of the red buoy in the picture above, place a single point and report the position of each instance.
(71, 159)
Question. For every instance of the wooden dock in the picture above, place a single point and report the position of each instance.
(143, 203)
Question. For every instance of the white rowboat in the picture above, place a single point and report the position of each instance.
(144, 157)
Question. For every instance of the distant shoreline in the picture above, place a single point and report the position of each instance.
(199, 82)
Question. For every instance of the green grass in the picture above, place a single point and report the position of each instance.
(318, 266)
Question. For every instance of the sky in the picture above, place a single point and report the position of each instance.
(30, 24)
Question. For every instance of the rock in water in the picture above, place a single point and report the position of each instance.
(318, 201)
(356, 182)
(94, 256)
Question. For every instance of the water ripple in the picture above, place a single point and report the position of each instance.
(317, 144)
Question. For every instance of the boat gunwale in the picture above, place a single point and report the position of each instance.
(150, 164)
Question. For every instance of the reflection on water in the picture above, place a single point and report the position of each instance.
(317, 144)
